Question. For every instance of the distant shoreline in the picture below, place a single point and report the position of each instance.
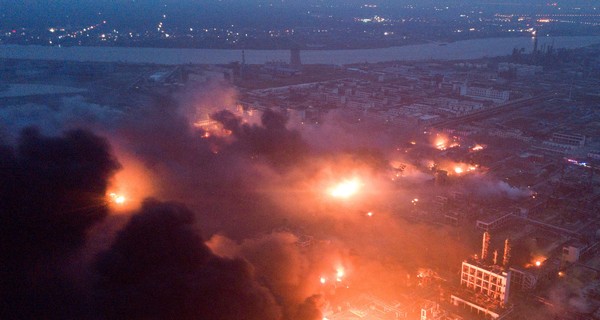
(459, 50)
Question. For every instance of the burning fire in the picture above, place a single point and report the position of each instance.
(477, 147)
(211, 128)
(129, 186)
(537, 261)
(442, 142)
(339, 274)
(461, 168)
(117, 198)
(345, 189)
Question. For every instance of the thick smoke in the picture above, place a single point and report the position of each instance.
(216, 176)
(52, 190)
(160, 268)
(243, 187)
(288, 270)
(310, 309)
(272, 139)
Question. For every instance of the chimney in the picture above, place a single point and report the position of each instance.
(485, 245)
(506, 258)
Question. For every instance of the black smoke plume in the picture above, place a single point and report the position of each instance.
(52, 190)
(242, 186)
(273, 140)
(160, 268)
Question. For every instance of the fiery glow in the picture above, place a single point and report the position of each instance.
(339, 274)
(211, 128)
(130, 185)
(537, 261)
(440, 142)
(370, 213)
(430, 164)
(345, 189)
(322, 280)
(477, 147)
(462, 168)
(117, 198)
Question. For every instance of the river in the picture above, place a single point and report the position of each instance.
(467, 49)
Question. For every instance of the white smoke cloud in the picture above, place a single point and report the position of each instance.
(73, 112)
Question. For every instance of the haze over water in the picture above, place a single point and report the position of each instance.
(467, 49)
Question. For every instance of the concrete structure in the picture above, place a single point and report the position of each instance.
(520, 70)
(567, 139)
(486, 291)
(498, 96)
(484, 288)
(491, 281)
(510, 134)
(571, 252)
(494, 222)
(564, 142)
(522, 279)
(474, 307)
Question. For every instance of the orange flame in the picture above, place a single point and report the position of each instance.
(345, 189)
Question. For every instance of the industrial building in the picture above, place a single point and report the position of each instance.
(485, 287)
(498, 96)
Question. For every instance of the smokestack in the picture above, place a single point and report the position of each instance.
(485, 245)
(495, 257)
(506, 258)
